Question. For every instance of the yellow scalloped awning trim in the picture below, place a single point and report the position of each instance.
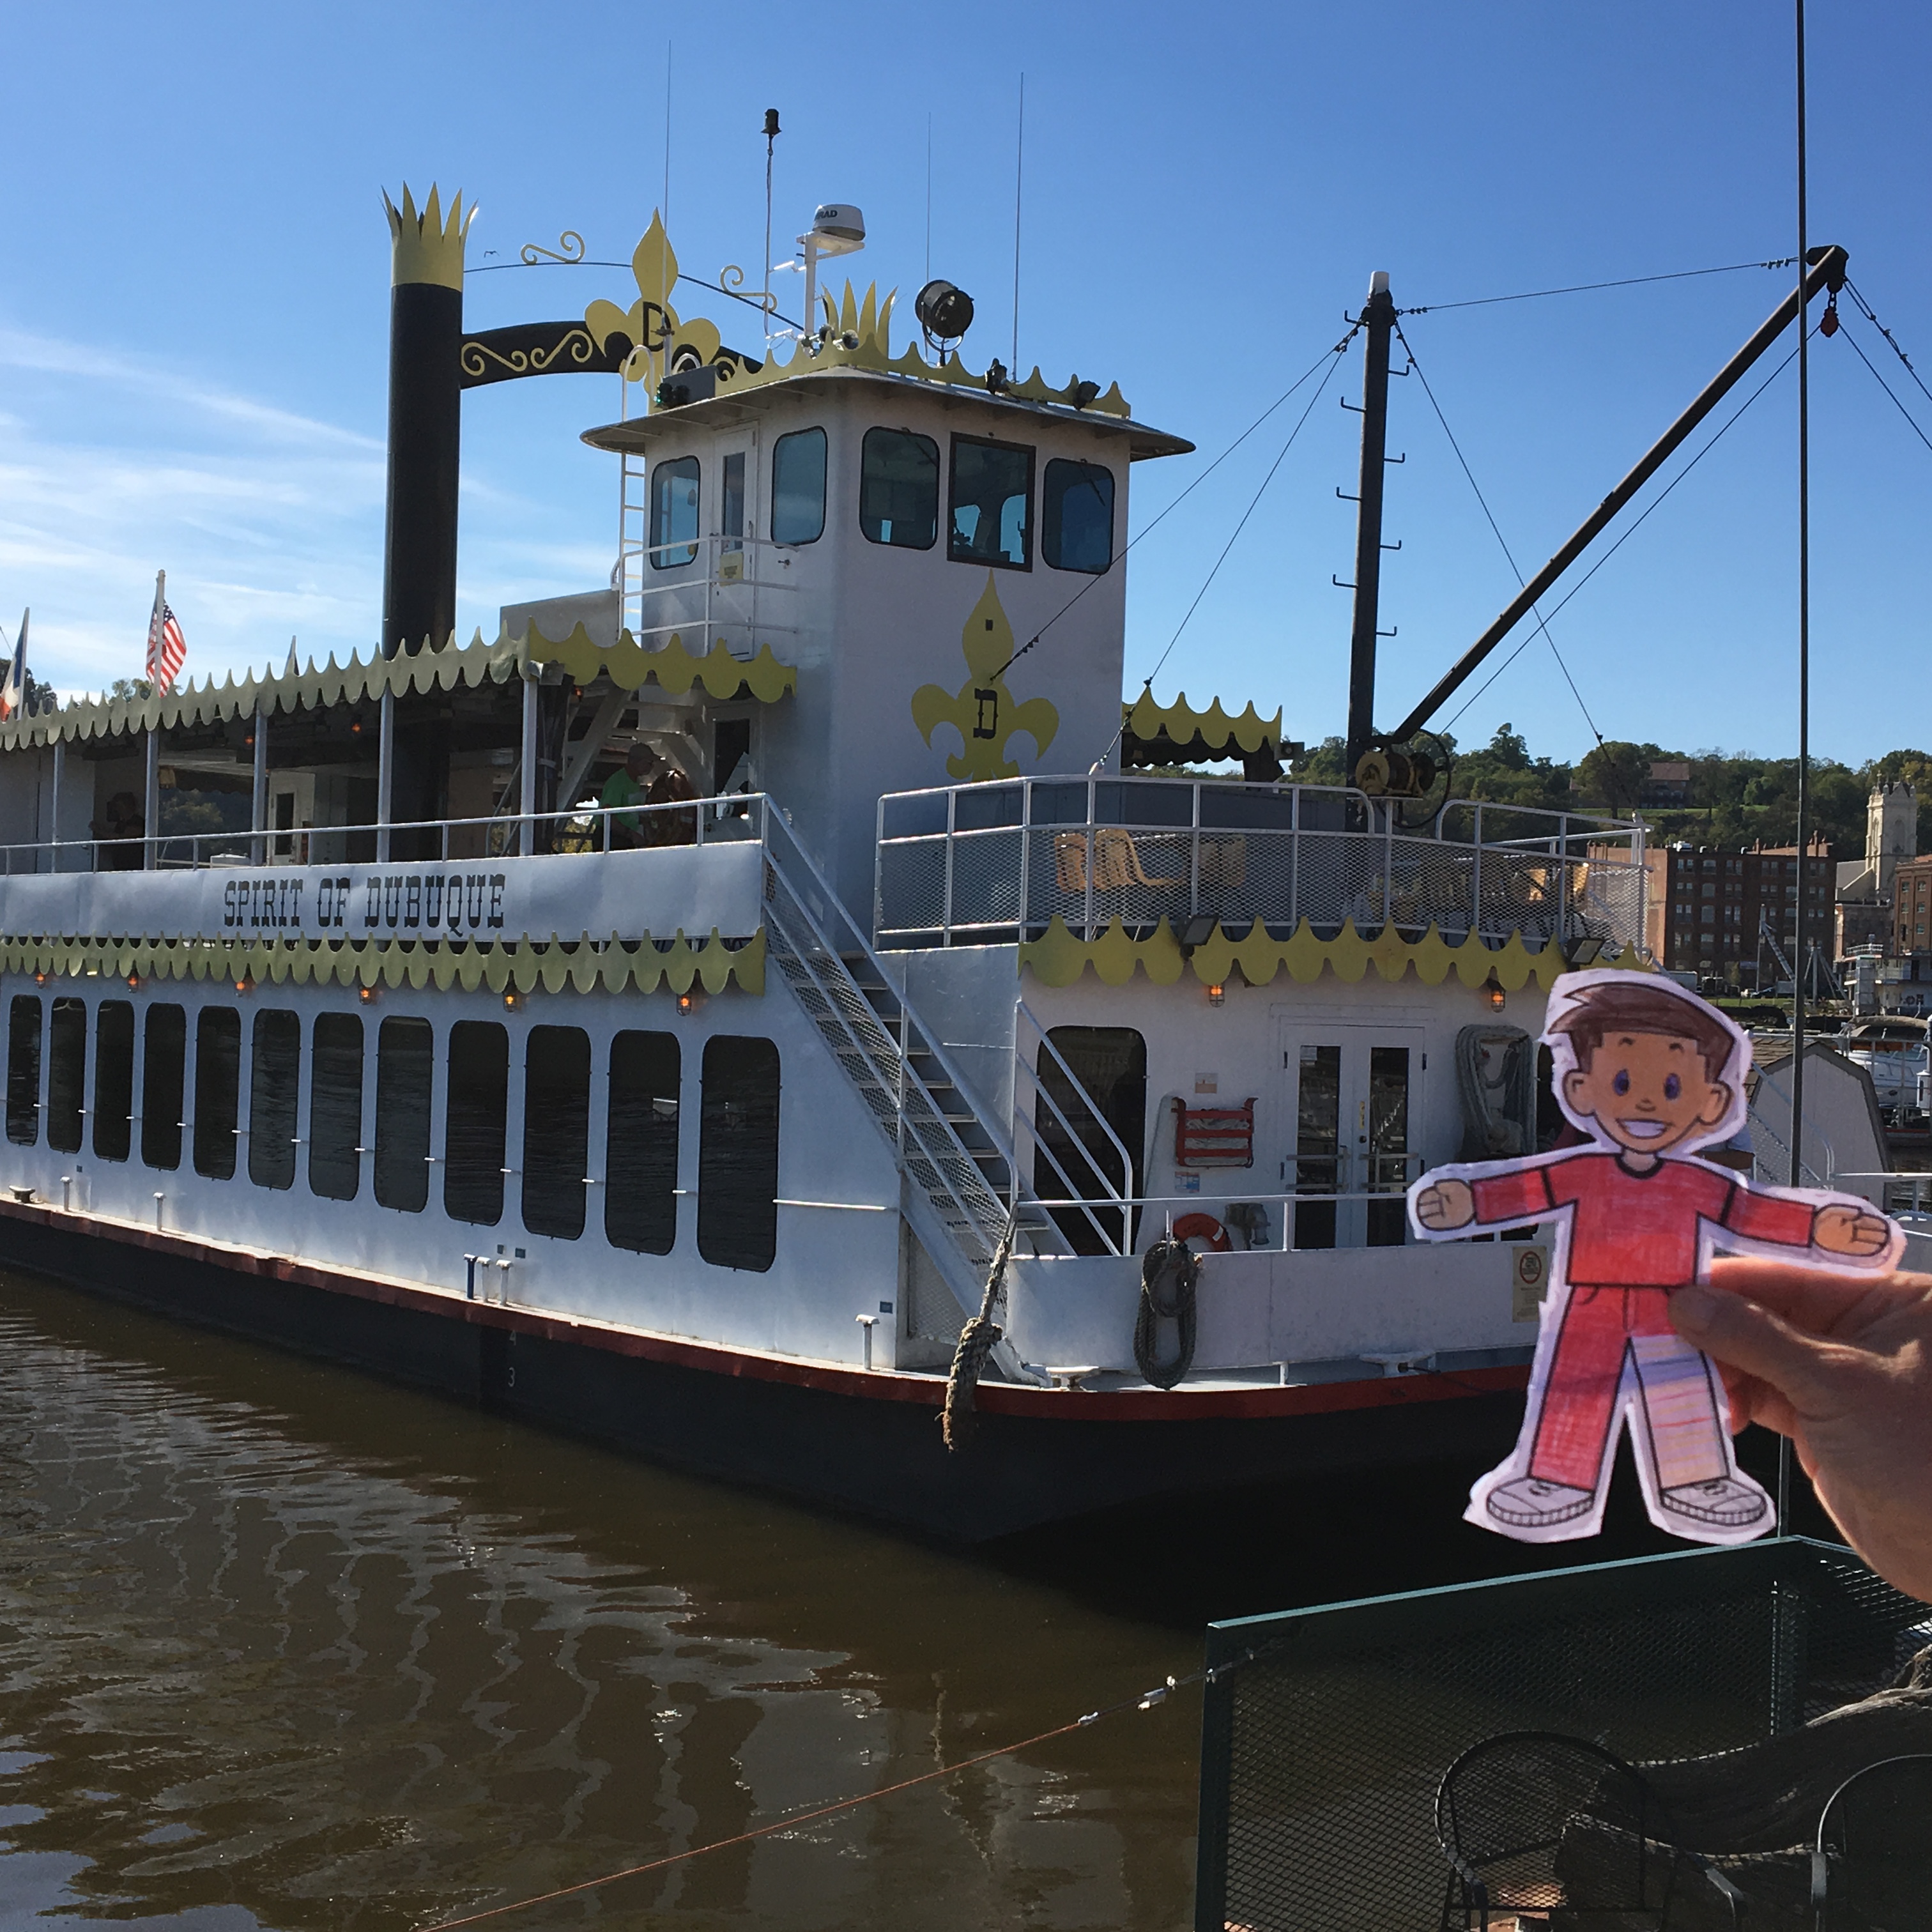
(1058, 958)
(630, 667)
(611, 968)
(1183, 724)
(209, 703)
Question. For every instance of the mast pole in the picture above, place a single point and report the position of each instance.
(1378, 321)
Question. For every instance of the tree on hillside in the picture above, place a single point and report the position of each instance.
(1615, 772)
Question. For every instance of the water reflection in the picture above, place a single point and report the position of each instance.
(281, 1646)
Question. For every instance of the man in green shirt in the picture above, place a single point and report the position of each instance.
(629, 787)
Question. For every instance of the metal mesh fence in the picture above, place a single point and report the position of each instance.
(1322, 1755)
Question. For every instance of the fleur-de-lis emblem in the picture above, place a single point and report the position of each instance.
(982, 710)
(651, 325)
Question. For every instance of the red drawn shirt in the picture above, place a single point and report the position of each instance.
(1638, 1230)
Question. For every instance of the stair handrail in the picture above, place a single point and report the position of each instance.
(1027, 1031)
(782, 849)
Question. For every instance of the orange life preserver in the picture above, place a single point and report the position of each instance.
(1203, 1227)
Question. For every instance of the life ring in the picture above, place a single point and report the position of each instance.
(1205, 1228)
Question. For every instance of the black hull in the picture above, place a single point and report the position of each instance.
(868, 1445)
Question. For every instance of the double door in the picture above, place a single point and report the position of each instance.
(1354, 1096)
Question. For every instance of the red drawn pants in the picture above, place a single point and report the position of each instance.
(1605, 1333)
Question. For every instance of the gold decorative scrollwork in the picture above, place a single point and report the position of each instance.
(576, 347)
(731, 280)
(570, 242)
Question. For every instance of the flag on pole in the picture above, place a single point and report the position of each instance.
(167, 647)
(13, 687)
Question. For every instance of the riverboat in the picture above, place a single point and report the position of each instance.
(697, 1121)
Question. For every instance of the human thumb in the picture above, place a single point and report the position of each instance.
(1749, 1336)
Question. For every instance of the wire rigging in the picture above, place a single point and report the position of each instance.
(1586, 288)
(1161, 516)
(1542, 622)
(1888, 388)
(1635, 525)
(1865, 309)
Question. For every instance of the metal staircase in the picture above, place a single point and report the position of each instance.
(961, 1178)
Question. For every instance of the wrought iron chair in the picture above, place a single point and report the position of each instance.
(1535, 1823)
(1871, 1868)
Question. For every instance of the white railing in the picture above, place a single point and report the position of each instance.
(709, 588)
(735, 817)
(976, 865)
(1037, 1116)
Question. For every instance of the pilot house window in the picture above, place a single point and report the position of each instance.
(798, 487)
(992, 501)
(1076, 516)
(674, 513)
(898, 489)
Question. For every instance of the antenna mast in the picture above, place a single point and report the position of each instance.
(1378, 321)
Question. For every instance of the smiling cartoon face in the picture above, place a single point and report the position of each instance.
(1648, 1092)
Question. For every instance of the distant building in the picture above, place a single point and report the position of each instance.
(1668, 782)
(1866, 888)
(1911, 911)
(1707, 906)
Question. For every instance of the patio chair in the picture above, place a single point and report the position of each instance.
(1871, 1869)
(1559, 1828)
(1070, 861)
(1116, 864)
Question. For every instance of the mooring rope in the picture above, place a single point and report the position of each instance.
(1168, 1265)
(976, 1342)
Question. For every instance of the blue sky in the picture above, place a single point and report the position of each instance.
(193, 322)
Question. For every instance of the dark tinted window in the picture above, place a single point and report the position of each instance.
(557, 1130)
(67, 1074)
(113, 1079)
(674, 513)
(989, 519)
(473, 1127)
(335, 1107)
(640, 1144)
(1110, 1064)
(217, 1074)
(798, 487)
(163, 1086)
(738, 1153)
(898, 489)
(275, 1090)
(405, 1069)
(23, 1069)
(1076, 516)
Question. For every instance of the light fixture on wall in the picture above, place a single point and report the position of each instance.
(1217, 993)
(246, 983)
(1492, 992)
(134, 983)
(513, 1000)
(368, 995)
(688, 1001)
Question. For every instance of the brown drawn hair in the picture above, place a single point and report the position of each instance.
(1606, 1009)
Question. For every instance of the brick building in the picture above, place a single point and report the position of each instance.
(1707, 906)
(1912, 908)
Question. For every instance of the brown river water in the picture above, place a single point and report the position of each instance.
(283, 1645)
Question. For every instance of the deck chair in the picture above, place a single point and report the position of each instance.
(1070, 861)
(1116, 864)
(1871, 1868)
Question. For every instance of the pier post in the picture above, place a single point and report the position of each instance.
(527, 767)
(53, 830)
(151, 804)
(258, 806)
(385, 775)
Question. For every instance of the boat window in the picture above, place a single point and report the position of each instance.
(218, 1076)
(1076, 516)
(640, 1143)
(557, 1130)
(113, 1079)
(163, 1086)
(673, 514)
(67, 1074)
(898, 489)
(738, 1153)
(275, 1090)
(405, 1075)
(991, 497)
(23, 1070)
(798, 487)
(472, 1122)
(335, 1107)
(1110, 1063)
(731, 503)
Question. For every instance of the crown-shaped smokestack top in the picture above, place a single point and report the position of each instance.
(424, 248)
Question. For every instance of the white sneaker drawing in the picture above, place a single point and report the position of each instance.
(1529, 1503)
(1727, 1502)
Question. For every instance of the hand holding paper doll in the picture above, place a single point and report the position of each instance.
(1650, 1073)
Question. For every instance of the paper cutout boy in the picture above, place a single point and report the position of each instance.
(1649, 1072)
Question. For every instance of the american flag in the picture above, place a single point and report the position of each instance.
(166, 647)
(13, 685)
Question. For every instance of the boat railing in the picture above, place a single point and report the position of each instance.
(1047, 1141)
(729, 589)
(987, 864)
(733, 818)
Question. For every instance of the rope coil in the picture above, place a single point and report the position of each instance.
(977, 1340)
(1169, 1276)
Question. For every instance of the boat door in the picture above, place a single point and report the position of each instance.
(1354, 1097)
(733, 615)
